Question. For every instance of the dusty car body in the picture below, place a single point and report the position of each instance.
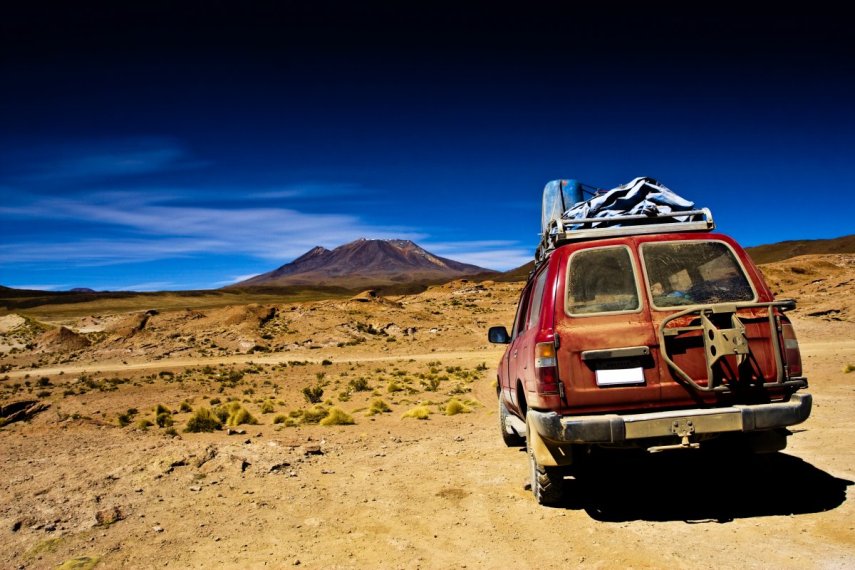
(650, 337)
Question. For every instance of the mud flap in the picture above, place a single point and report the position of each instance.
(559, 455)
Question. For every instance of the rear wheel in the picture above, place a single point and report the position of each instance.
(547, 483)
(510, 437)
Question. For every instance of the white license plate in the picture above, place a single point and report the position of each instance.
(620, 376)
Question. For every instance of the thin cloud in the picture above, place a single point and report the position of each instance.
(43, 287)
(307, 191)
(148, 286)
(147, 226)
(237, 279)
(93, 160)
(500, 255)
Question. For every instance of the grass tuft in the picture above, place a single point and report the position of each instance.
(378, 406)
(455, 407)
(241, 416)
(79, 563)
(337, 417)
(144, 424)
(203, 420)
(419, 412)
(313, 415)
(163, 419)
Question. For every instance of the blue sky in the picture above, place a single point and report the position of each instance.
(149, 147)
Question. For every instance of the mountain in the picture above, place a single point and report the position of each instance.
(365, 263)
(787, 249)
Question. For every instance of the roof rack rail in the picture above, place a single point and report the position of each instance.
(564, 231)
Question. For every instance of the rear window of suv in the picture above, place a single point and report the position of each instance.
(601, 280)
(694, 273)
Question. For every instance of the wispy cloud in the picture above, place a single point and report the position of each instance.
(307, 190)
(235, 279)
(490, 254)
(148, 286)
(133, 223)
(149, 226)
(90, 160)
(42, 287)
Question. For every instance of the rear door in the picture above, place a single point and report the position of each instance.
(603, 322)
(684, 274)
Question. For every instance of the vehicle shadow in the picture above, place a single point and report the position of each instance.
(700, 487)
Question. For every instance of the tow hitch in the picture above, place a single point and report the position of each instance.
(682, 428)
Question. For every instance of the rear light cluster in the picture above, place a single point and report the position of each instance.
(792, 355)
(546, 368)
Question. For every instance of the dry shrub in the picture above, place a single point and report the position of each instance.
(314, 394)
(163, 419)
(378, 406)
(337, 417)
(311, 415)
(240, 416)
(455, 407)
(314, 414)
(144, 424)
(203, 419)
(419, 412)
(359, 385)
(80, 563)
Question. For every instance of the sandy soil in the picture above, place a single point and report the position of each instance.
(389, 491)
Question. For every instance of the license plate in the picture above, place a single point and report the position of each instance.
(620, 376)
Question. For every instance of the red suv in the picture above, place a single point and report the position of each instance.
(646, 336)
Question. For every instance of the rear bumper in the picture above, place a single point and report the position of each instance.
(616, 428)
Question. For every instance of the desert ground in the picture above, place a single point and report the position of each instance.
(105, 475)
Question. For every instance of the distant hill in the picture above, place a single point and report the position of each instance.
(521, 273)
(760, 254)
(787, 249)
(366, 263)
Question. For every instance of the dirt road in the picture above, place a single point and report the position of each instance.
(302, 356)
(403, 493)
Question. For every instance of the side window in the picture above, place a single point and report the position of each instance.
(522, 310)
(601, 280)
(536, 300)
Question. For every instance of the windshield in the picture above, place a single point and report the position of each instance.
(694, 273)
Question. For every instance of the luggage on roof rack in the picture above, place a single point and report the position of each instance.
(642, 206)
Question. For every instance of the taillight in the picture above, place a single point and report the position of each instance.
(792, 355)
(546, 368)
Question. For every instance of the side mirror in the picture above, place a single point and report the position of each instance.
(498, 335)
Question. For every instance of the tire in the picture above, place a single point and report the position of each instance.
(547, 483)
(510, 439)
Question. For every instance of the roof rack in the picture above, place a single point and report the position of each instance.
(563, 231)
